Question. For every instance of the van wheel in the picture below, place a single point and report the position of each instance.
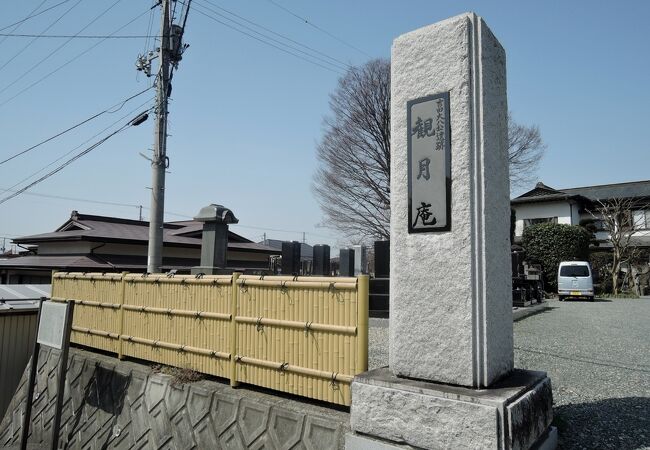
(591, 299)
(561, 298)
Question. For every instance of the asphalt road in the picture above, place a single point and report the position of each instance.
(598, 357)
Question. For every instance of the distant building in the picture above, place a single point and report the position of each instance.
(89, 243)
(544, 204)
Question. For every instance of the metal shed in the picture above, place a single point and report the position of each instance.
(18, 313)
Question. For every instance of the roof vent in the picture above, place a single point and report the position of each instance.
(216, 213)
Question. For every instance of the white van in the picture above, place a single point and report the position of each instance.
(574, 279)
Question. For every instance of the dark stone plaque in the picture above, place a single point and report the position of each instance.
(429, 164)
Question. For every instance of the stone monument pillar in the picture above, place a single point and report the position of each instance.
(214, 241)
(451, 382)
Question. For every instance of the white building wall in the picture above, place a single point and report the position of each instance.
(564, 211)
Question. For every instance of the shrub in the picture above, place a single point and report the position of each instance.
(601, 265)
(550, 243)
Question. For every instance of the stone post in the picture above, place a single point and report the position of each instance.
(214, 242)
(450, 383)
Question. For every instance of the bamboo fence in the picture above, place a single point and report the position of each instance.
(306, 336)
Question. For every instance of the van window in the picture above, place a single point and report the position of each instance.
(574, 271)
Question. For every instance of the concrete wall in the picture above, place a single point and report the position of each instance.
(117, 404)
(564, 211)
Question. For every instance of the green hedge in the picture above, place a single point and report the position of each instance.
(550, 243)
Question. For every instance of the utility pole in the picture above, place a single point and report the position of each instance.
(159, 161)
(169, 55)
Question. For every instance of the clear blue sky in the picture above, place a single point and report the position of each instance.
(245, 118)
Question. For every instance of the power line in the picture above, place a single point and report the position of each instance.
(56, 50)
(31, 16)
(335, 64)
(28, 15)
(75, 199)
(306, 21)
(79, 146)
(107, 110)
(70, 61)
(342, 63)
(265, 42)
(132, 122)
(282, 231)
(97, 202)
(80, 36)
(26, 46)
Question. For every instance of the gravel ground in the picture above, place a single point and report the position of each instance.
(598, 357)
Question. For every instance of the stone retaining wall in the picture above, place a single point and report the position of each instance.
(115, 404)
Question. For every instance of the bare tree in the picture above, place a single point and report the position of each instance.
(525, 151)
(352, 183)
(616, 215)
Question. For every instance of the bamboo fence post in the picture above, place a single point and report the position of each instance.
(362, 323)
(120, 353)
(234, 297)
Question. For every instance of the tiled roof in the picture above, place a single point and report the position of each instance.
(113, 229)
(111, 263)
(635, 189)
(544, 193)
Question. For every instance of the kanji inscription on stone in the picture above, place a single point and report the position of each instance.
(429, 160)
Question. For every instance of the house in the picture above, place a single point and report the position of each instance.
(89, 243)
(572, 206)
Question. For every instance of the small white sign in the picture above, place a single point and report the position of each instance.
(51, 327)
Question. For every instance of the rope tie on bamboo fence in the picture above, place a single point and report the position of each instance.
(238, 358)
(143, 309)
(129, 338)
(335, 292)
(262, 277)
(307, 328)
(333, 384)
(258, 324)
(155, 344)
(145, 274)
(169, 313)
(283, 367)
(242, 286)
(199, 275)
(171, 274)
(156, 280)
(181, 349)
(283, 287)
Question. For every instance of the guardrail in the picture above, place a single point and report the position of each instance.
(306, 336)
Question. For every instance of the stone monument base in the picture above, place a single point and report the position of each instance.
(514, 413)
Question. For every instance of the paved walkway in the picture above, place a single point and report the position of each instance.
(598, 357)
